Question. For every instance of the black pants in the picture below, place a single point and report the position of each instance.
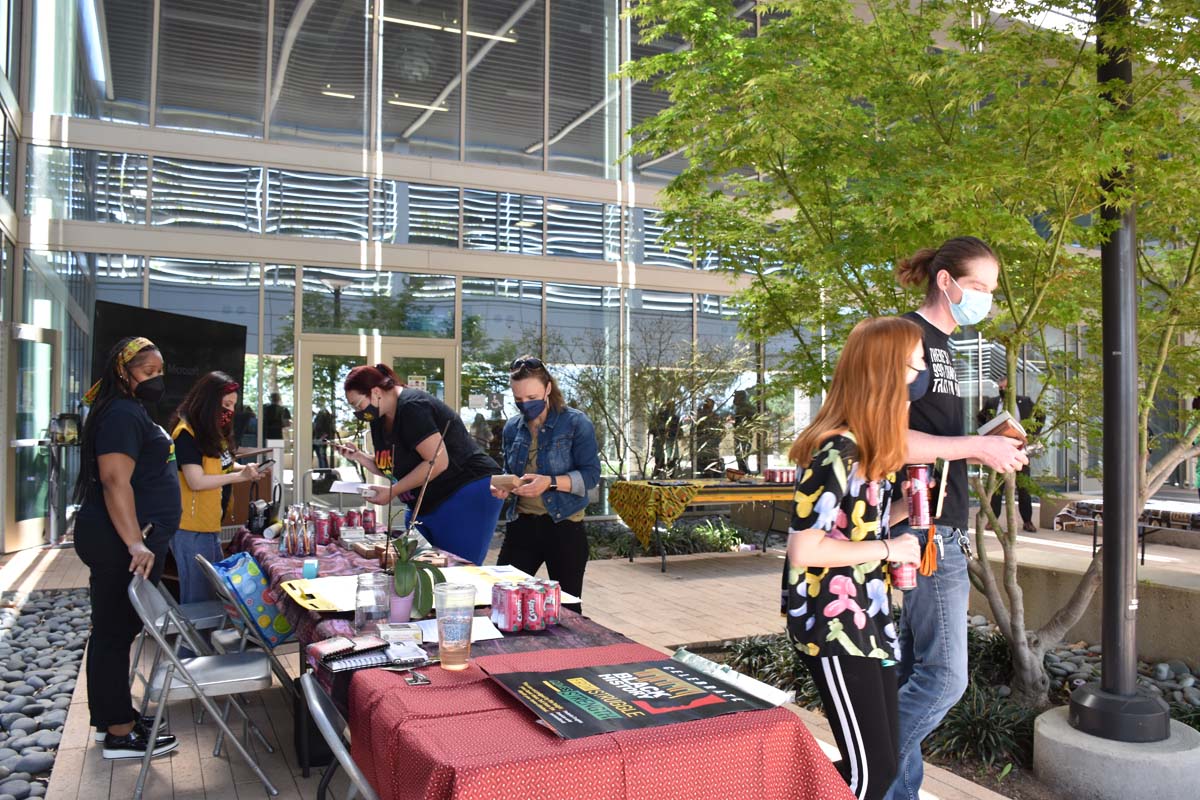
(114, 622)
(859, 696)
(1024, 501)
(533, 539)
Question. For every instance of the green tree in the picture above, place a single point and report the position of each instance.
(845, 136)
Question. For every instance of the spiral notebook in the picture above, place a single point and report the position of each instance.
(397, 654)
(339, 647)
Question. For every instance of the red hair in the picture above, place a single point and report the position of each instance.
(868, 397)
(363, 379)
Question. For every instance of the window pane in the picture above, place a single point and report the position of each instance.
(222, 291)
(584, 115)
(88, 185)
(583, 339)
(319, 205)
(90, 59)
(11, 143)
(645, 102)
(647, 242)
(119, 279)
(206, 195)
(421, 69)
(502, 222)
(505, 40)
(726, 369)
(6, 259)
(388, 303)
(320, 69)
(211, 65)
(582, 230)
(409, 213)
(663, 391)
(277, 368)
(502, 319)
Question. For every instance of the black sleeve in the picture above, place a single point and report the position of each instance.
(186, 451)
(120, 431)
(418, 423)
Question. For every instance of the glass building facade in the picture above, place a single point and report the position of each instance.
(435, 185)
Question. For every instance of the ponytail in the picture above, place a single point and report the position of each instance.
(363, 379)
(923, 266)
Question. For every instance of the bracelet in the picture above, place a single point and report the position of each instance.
(887, 547)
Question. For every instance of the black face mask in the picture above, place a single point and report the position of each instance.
(919, 386)
(368, 414)
(151, 391)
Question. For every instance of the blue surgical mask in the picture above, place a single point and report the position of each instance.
(973, 308)
(531, 409)
(919, 386)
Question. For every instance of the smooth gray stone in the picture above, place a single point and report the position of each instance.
(35, 682)
(37, 790)
(14, 705)
(17, 788)
(24, 725)
(24, 690)
(61, 702)
(48, 739)
(1193, 695)
(4, 773)
(1003, 691)
(52, 720)
(36, 763)
(7, 753)
(22, 744)
(1052, 657)
(1162, 671)
(1178, 667)
(1187, 680)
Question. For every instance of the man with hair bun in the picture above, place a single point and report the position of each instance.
(959, 278)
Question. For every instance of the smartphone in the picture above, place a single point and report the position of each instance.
(266, 463)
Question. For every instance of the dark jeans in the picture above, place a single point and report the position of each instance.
(1024, 501)
(533, 539)
(114, 622)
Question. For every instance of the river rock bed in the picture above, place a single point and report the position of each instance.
(42, 636)
(1079, 663)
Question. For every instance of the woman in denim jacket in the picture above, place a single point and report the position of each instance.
(553, 448)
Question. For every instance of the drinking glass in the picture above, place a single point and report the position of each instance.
(371, 602)
(455, 604)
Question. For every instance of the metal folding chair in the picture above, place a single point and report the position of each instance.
(250, 632)
(333, 729)
(201, 677)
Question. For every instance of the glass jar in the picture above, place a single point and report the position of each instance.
(372, 601)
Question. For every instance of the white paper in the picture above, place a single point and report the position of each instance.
(347, 487)
(484, 578)
(338, 590)
(482, 629)
(477, 401)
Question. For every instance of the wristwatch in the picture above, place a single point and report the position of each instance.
(553, 487)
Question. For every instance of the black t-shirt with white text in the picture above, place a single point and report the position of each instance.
(940, 412)
(419, 415)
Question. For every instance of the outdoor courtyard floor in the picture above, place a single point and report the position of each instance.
(701, 599)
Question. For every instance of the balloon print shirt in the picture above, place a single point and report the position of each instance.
(841, 611)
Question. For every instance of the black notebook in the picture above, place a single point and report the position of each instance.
(398, 654)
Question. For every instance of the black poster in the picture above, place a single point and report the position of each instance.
(590, 700)
(191, 346)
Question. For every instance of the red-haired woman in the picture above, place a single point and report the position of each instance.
(839, 610)
(458, 513)
(202, 428)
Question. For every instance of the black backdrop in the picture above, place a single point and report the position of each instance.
(191, 346)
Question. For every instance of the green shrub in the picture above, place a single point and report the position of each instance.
(989, 659)
(1186, 713)
(985, 727)
(708, 535)
(773, 660)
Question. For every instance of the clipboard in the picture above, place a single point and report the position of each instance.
(334, 593)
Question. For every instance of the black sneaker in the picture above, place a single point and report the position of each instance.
(135, 743)
(143, 724)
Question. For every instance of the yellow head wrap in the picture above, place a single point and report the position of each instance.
(135, 346)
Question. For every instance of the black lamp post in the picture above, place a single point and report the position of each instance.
(1116, 708)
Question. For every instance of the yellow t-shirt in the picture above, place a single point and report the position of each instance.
(534, 505)
(202, 510)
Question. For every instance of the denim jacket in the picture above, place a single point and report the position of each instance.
(566, 446)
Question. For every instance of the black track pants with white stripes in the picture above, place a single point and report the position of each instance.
(859, 695)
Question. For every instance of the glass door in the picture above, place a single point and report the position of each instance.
(323, 362)
(33, 352)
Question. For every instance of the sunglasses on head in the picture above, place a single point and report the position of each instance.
(521, 363)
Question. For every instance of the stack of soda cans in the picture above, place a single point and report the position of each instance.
(531, 605)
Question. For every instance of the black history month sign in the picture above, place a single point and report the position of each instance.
(590, 700)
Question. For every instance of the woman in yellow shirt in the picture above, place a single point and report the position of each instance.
(202, 428)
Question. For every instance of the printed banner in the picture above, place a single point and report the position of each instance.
(590, 700)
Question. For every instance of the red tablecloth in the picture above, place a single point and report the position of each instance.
(465, 737)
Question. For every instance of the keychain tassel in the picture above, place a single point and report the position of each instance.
(929, 557)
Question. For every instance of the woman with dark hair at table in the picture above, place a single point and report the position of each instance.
(202, 428)
(458, 513)
(127, 483)
(553, 448)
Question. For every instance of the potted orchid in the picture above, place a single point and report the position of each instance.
(413, 579)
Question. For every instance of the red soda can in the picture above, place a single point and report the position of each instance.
(904, 576)
(918, 496)
(353, 518)
(321, 528)
(368, 520)
(553, 602)
(335, 524)
(533, 604)
(506, 607)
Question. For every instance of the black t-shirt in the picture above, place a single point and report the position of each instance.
(940, 412)
(125, 427)
(188, 452)
(275, 417)
(419, 415)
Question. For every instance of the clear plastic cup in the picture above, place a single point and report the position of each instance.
(455, 604)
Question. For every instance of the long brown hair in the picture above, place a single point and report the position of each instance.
(923, 266)
(868, 397)
(201, 410)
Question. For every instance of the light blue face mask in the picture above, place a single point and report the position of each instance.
(973, 308)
